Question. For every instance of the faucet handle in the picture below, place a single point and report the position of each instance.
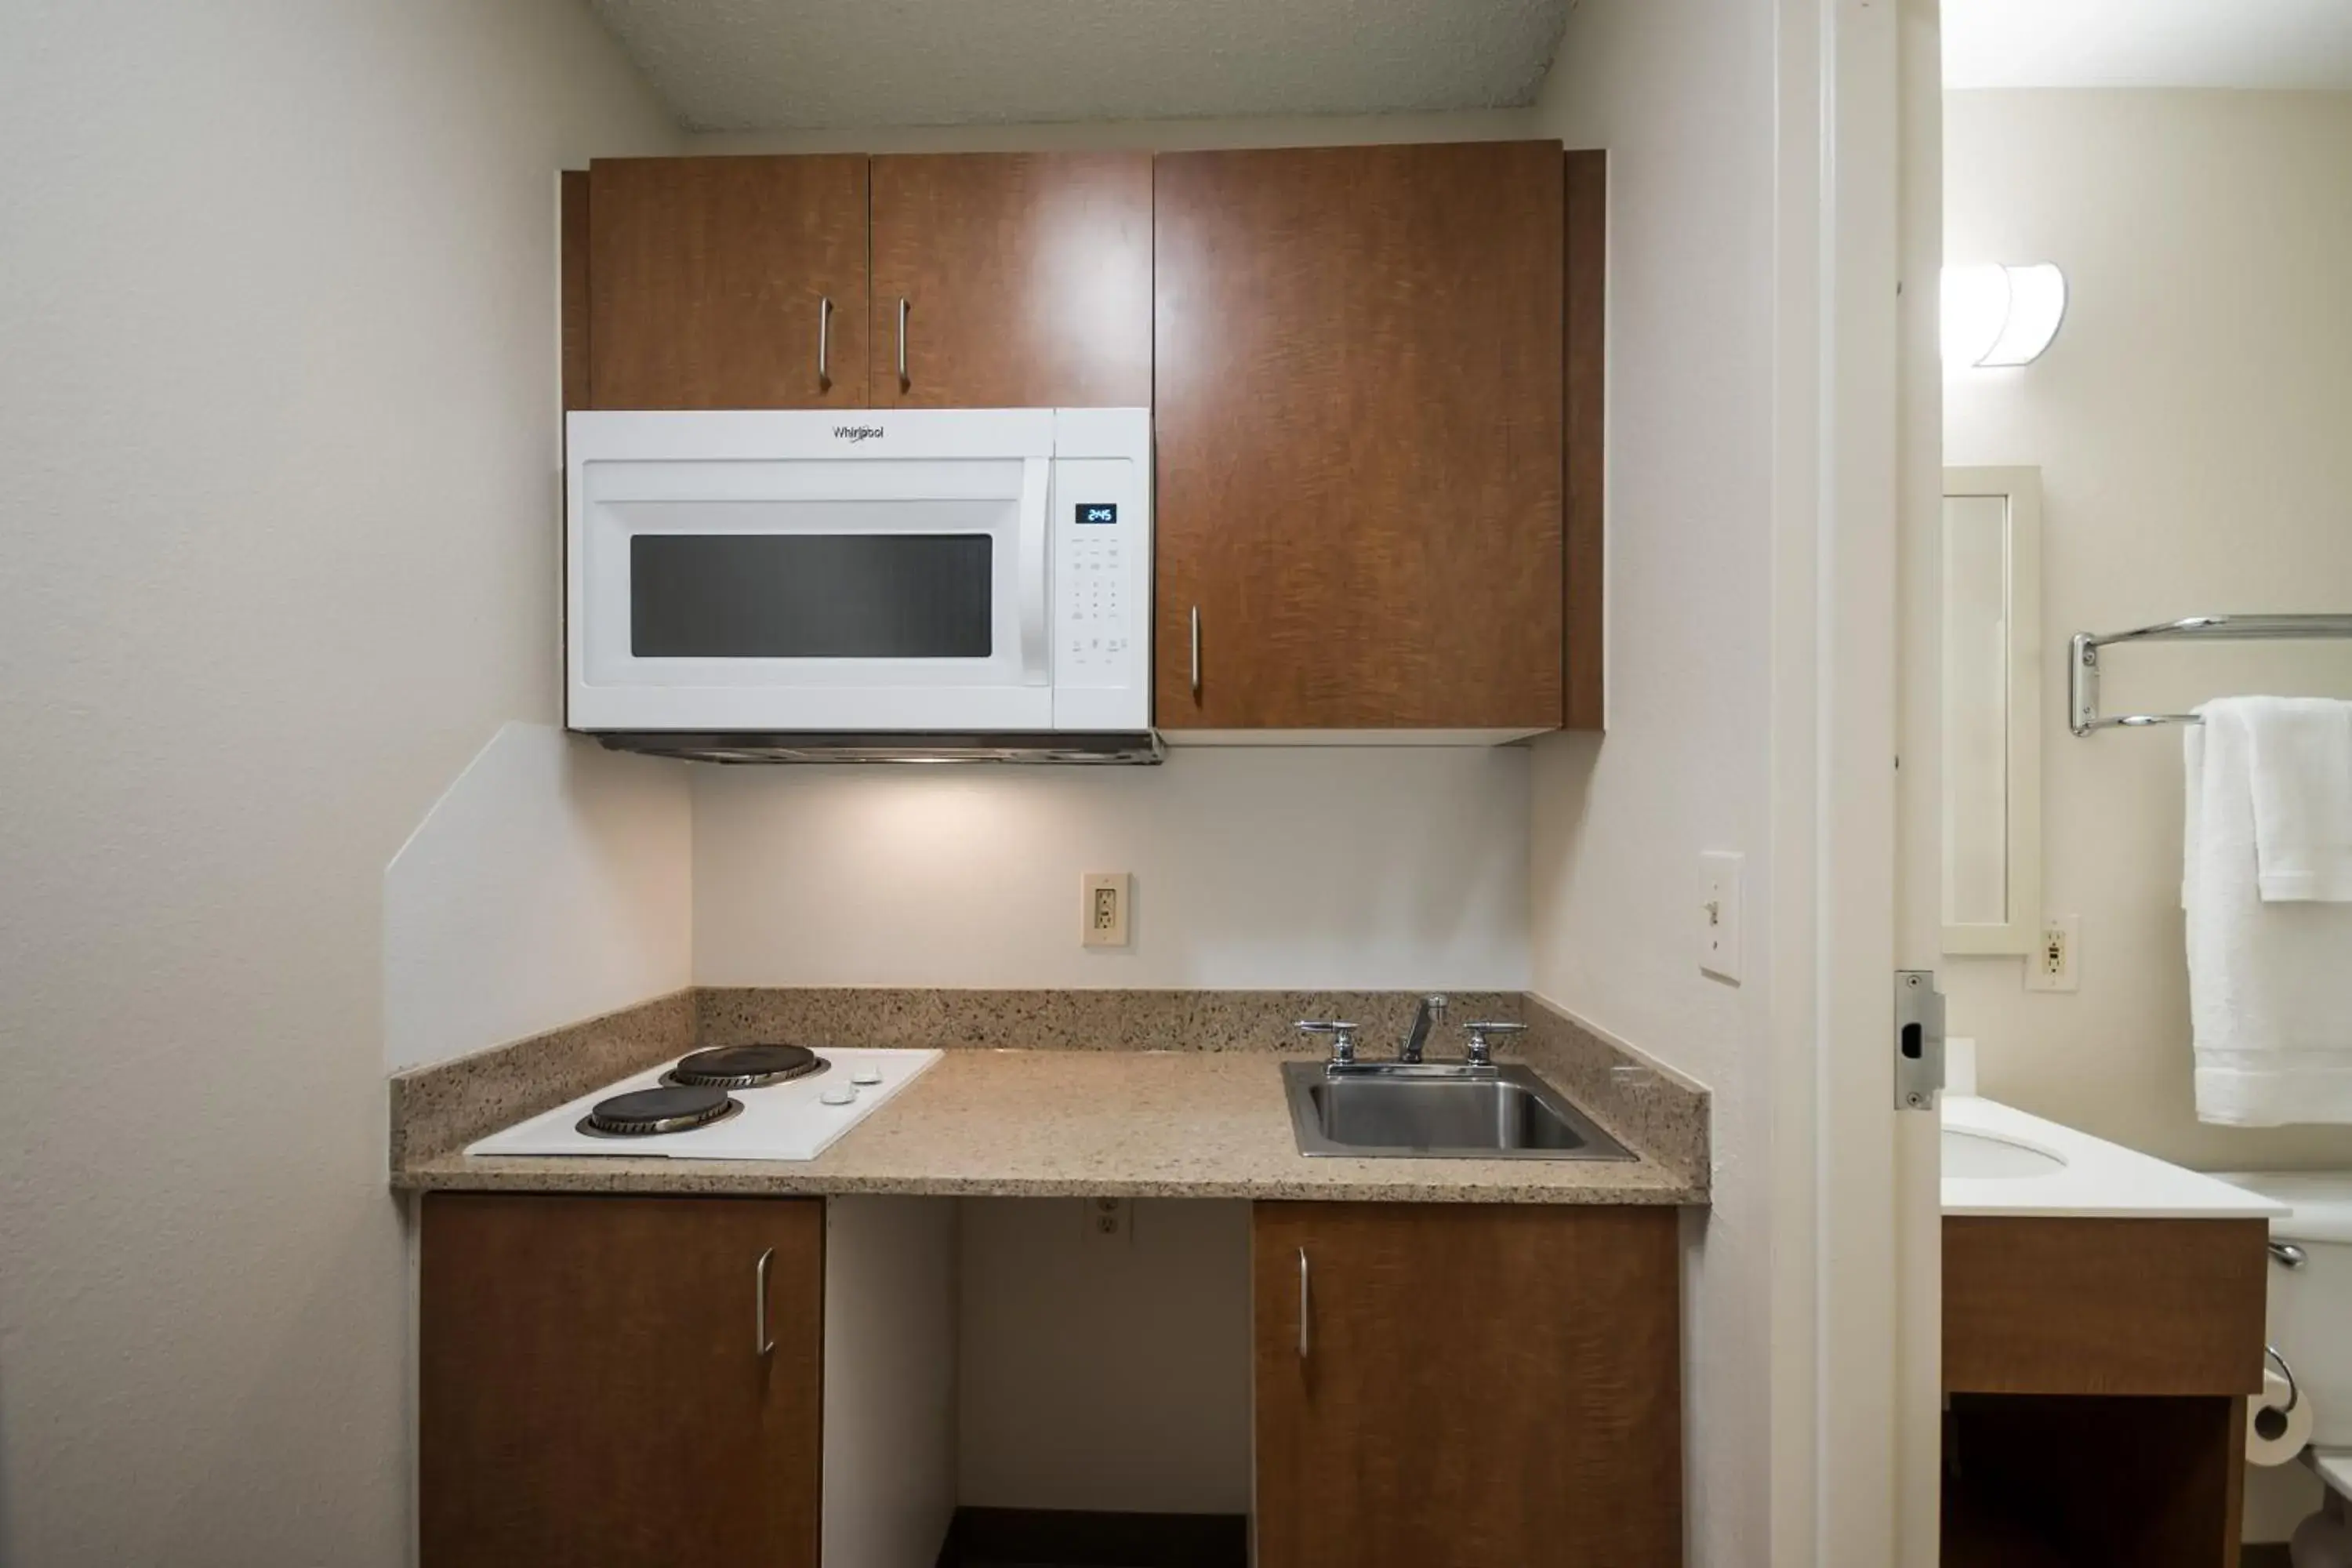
(1343, 1035)
(1481, 1050)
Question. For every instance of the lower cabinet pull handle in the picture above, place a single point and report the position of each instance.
(1304, 1303)
(760, 1340)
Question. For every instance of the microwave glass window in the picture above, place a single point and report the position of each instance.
(819, 596)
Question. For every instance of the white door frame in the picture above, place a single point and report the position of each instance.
(1856, 1224)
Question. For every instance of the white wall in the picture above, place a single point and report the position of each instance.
(2191, 424)
(1681, 94)
(1106, 1375)
(550, 883)
(1287, 868)
(891, 1309)
(280, 508)
(1150, 135)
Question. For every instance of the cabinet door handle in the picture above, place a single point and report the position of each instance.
(760, 1340)
(824, 343)
(1305, 1304)
(903, 383)
(1196, 673)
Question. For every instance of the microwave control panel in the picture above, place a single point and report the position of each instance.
(1102, 556)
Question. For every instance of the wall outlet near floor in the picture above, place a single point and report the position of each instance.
(1718, 914)
(1110, 1221)
(1103, 911)
(2054, 963)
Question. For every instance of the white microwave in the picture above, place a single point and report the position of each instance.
(776, 585)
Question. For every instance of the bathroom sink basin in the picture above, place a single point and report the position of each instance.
(1977, 1155)
(1509, 1115)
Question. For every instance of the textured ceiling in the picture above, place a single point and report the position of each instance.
(2147, 43)
(742, 65)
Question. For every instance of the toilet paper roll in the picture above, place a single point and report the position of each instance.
(2274, 1433)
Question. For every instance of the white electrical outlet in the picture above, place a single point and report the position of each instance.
(1102, 911)
(1718, 914)
(2055, 962)
(1110, 1221)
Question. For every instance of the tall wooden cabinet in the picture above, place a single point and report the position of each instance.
(1359, 362)
(1012, 281)
(620, 1381)
(1481, 1387)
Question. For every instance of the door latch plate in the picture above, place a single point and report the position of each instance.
(1918, 1040)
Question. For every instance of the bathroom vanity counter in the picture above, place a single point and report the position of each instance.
(2103, 1327)
(1999, 1160)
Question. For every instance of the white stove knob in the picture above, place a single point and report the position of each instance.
(843, 1096)
(868, 1076)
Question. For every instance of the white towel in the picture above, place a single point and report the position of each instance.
(2270, 984)
(2303, 795)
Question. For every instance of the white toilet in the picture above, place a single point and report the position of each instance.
(2311, 1304)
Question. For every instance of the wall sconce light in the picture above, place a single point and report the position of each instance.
(2000, 315)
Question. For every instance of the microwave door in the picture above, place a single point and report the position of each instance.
(814, 595)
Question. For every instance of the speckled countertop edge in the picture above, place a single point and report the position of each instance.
(1105, 1118)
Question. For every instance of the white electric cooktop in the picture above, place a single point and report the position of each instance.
(795, 1119)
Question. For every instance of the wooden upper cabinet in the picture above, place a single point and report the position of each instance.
(709, 280)
(1026, 279)
(1584, 395)
(590, 1387)
(1358, 376)
(1476, 1386)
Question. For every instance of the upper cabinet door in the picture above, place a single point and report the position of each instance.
(1012, 281)
(727, 282)
(1358, 391)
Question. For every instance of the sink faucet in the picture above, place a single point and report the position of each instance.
(1343, 1039)
(1479, 1061)
(1431, 1011)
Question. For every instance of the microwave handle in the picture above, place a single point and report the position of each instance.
(1036, 475)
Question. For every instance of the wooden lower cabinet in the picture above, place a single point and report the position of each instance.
(2095, 1374)
(1466, 1386)
(593, 1390)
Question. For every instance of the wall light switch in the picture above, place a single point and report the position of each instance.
(1718, 914)
(1103, 911)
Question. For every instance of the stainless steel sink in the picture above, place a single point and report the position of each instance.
(1439, 1112)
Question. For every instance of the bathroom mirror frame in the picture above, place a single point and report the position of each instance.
(2018, 677)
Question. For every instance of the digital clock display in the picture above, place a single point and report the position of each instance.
(1096, 514)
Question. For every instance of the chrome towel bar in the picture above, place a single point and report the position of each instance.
(2082, 670)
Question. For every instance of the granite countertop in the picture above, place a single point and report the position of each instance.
(1139, 1122)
